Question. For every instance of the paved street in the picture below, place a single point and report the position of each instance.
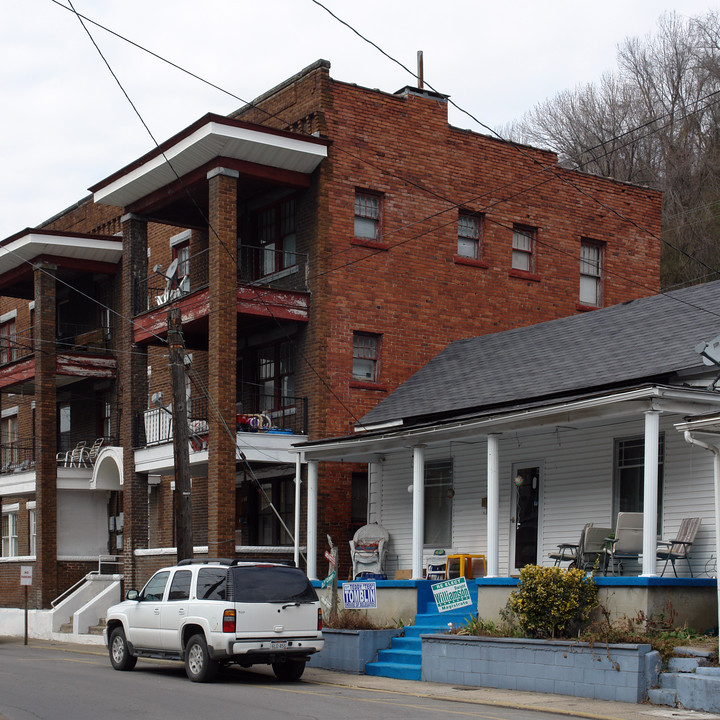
(56, 680)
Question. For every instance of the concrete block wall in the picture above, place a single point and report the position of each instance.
(617, 672)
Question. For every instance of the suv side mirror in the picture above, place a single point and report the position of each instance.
(132, 595)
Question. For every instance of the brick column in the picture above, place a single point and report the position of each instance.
(45, 577)
(132, 395)
(222, 346)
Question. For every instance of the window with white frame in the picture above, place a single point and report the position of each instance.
(366, 357)
(32, 528)
(523, 248)
(9, 532)
(439, 495)
(469, 242)
(591, 259)
(367, 215)
(628, 489)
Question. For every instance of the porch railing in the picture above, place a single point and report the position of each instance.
(155, 425)
(273, 268)
(17, 455)
(83, 336)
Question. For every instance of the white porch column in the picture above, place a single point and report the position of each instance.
(298, 486)
(312, 493)
(418, 531)
(650, 486)
(493, 504)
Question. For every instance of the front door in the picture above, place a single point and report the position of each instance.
(525, 514)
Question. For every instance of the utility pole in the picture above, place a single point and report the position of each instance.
(183, 502)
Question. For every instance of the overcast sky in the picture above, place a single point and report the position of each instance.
(66, 124)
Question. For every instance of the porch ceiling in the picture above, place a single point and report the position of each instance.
(210, 137)
(369, 446)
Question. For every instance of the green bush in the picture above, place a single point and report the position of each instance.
(549, 601)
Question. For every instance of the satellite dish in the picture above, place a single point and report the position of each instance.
(172, 269)
(710, 351)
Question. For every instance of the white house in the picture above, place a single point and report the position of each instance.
(506, 445)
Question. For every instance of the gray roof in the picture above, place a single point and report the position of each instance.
(647, 339)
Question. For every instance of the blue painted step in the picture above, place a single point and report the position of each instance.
(403, 659)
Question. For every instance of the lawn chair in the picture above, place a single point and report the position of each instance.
(592, 552)
(74, 457)
(569, 553)
(94, 450)
(627, 543)
(368, 548)
(679, 547)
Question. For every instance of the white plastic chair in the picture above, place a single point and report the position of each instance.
(368, 549)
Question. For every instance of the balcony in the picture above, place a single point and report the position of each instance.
(17, 456)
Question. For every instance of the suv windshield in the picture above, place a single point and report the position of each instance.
(271, 584)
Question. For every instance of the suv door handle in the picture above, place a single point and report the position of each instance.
(156, 611)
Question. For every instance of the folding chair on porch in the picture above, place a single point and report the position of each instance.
(679, 547)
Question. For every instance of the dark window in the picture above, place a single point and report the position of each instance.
(438, 503)
(271, 584)
(276, 235)
(264, 527)
(8, 341)
(276, 376)
(629, 475)
(359, 498)
(180, 585)
(212, 584)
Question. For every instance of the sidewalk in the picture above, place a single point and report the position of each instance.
(538, 702)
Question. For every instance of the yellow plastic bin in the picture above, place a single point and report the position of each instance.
(467, 566)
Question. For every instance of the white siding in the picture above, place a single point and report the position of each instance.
(576, 488)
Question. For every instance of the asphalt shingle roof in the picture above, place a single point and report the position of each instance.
(649, 338)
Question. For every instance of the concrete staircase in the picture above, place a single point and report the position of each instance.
(403, 659)
(689, 682)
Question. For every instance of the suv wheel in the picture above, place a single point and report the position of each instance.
(120, 656)
(199, 666)
(289, 671)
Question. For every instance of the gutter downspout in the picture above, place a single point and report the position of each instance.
(716, 475)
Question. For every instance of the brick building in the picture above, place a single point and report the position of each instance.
(321, 244)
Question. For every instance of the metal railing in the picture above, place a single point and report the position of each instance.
(17, 455)
(272, 268)
(289, 416)
(83, 336)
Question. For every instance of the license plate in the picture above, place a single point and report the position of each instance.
(278, 645)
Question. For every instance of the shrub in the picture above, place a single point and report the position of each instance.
(351, 620)
(549, 600)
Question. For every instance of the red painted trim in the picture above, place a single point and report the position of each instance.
(374, 244)
(198, 176)
(68, 364)
(462, 260)
(17, 372)
(360, 385)
(189, 130)
(58, 233)
(524, 275)
(586, 308)
(79, 264)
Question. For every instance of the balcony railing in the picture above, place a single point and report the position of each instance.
(155, 426)
(273, 268)
(160, 289)
(83, 336)
(17, 455)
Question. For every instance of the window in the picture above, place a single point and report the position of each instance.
(438, 503)
(64, 426)
(8, 341)
(180, 585)
(264, 527)
(211, 584)
(32, 529)
(366, 357)
(629, 475)
(181, 253)
(276, 234)
(367, 216)
(523, 248)
(155, 588)
(591, 257)
(276, 376)
(359, 498)
(9, 534)
(8, 439)
(469, 236)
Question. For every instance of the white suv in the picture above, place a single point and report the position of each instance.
(211, 613)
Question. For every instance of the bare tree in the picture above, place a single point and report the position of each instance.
(655, 121)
